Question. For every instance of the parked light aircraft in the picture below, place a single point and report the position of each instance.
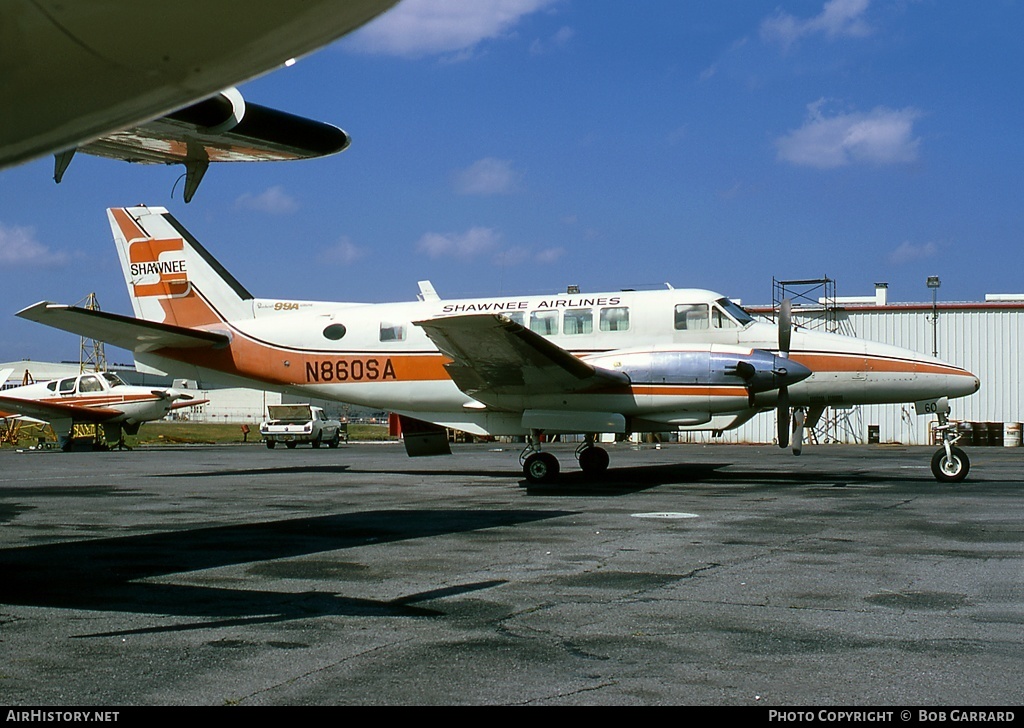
(631, 361)
(76, 71)
(100, 398)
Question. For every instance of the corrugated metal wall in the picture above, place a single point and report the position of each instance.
(985, 340)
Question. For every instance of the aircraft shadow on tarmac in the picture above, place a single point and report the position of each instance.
(103, 574)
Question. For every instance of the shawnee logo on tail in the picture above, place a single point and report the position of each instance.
(158, 268)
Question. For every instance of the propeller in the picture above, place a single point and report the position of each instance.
(171, 394)
(785, 339)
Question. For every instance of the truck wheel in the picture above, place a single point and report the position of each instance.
(270, 444)
(334, 441)
(317, 440)
(290, 445)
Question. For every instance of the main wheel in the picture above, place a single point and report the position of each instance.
(594, 460)
(541, 467)
(952, 469)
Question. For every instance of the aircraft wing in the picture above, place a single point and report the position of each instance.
(76, 71)
(493, 356)
(124, 331)
(47, 411)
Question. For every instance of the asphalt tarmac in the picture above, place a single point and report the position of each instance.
(690, 575)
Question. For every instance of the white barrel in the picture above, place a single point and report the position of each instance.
(1011, 434)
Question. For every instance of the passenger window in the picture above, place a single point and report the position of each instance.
(89, 384)
(52, 386)
(691, 317)
(578, 321)
(615, 319)
(392, 332)
(544, 323)
(517, 316)
(66, 386)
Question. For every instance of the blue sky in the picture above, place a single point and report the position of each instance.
(518, 146)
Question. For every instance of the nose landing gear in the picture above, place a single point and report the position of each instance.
(950, 464)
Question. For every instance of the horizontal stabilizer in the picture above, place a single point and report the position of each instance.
(123, 331)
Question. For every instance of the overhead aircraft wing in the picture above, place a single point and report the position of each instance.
(44, 410)
(222, 128)
(124, 331)
(75, 71)
(493, 356)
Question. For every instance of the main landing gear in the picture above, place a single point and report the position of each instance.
(950, 464)
(543, 467)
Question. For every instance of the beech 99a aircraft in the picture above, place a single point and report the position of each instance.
(631, 361)
(100, 398)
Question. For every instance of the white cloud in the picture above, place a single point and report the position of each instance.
(487, 176)
(274, 201)
(469, 244)
(908, 252)
(837, 18)
(560, 39)
(343, 252)
(18, 246)
(881, 136)
(416, 28)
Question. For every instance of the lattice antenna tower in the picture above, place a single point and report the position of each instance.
(93, 357)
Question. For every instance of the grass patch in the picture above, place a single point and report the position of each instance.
(205, 433)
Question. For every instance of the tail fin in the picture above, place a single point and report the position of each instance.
(171, 278)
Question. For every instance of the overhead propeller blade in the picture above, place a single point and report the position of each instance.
(785, 326)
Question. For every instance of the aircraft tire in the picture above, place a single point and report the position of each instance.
(594, 460)
(953, 470)
(271, 444)
(541, 467)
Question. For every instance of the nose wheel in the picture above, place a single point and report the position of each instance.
(950, 467)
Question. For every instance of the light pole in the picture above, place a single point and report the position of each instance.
(933, 282)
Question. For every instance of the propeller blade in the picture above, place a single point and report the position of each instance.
(785, 326)
(783, 417)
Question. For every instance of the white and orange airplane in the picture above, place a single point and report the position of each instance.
(100, 398)
(629, 361)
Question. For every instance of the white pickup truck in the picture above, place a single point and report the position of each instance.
(295, 423)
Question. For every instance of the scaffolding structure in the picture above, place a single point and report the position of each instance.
(815, 307)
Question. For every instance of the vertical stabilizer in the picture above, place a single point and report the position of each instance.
(171, 277)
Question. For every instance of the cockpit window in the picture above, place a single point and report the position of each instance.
(89, 383)
(112, 379)
(735, 312)
(66, 386)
